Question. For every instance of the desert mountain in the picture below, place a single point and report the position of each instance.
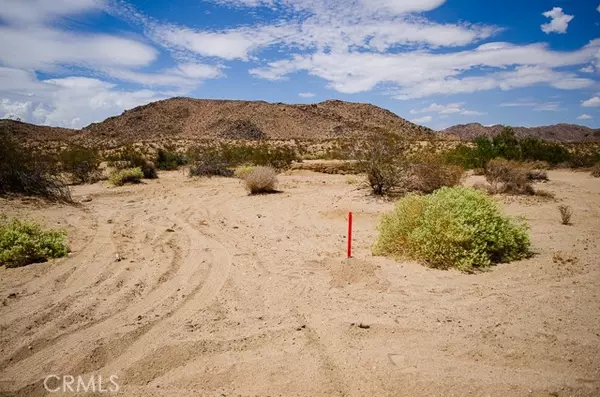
(202, 118)
(558, 132)
(32, 132)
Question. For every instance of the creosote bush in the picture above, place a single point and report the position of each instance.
(167, 160)
(24, 242)
(127, 175)
(453, 227)
(129, 157)
(26, 173)
(82, 163)
(261, 180)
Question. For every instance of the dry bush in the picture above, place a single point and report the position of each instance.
(431, 174)
(261, 180)
(82, 163)
(382, 157)
(210, 163)
(22, 172)
(565, 214)
(596, 171)
(506, 176)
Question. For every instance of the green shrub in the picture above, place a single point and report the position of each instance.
(130, 157)
(167, 161)
(261, 180)
(242, 172)
(453, 227)
(82, 163)
(127, 175)
(24, 172)
(24, 242)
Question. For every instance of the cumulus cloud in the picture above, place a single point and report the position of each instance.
(559, 21)
(593, 102)
(69, 102)
(421, 120)
(584, 117)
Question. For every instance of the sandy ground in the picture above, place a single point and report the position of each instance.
(221, 294)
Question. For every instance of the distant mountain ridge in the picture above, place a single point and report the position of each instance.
(557, 132)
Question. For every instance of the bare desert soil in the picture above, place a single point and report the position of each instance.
(218, 293)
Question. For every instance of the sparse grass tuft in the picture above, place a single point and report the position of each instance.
(453, 227)
(565, 214)
(128, 175)
(24, 242)
(261, 180)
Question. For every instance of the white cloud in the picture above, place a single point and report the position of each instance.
(306, 95)
(69, 102)
(28, 11)
(593, 102)
(598, 9)
(559, 21)
(472, 113)
(425, 119)
(587, 69)
(538, 107)
(584, 117)
(419, 74)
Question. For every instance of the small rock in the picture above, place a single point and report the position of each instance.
(364, 326)
(170, 230)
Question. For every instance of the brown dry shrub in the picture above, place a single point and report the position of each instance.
(261, 180)
(565, 214)
(506, 176)
(431, 173)
(596, 171)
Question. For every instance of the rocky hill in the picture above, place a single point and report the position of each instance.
(32, 132)
(558, 132)
(187, 118)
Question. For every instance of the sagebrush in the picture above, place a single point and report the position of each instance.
(24, 242)
(453, 227)
(261, 180)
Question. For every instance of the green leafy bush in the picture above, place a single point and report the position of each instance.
(130, 157)
(82, 163)
(24, 242)
(166, 160)
(453, 227)
(26, 173)
(127, 175)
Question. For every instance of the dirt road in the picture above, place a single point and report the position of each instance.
(192, 288)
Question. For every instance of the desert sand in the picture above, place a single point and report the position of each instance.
(190, 287)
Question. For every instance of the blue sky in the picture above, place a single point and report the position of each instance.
(434, 62)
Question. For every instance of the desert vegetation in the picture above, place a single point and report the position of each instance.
(261, 180)
(453, 227)
(565, 214)
(24, 242)
(125, 176)
(23, 172)
(82, 163)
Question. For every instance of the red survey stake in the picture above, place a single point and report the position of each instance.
(349, 234)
